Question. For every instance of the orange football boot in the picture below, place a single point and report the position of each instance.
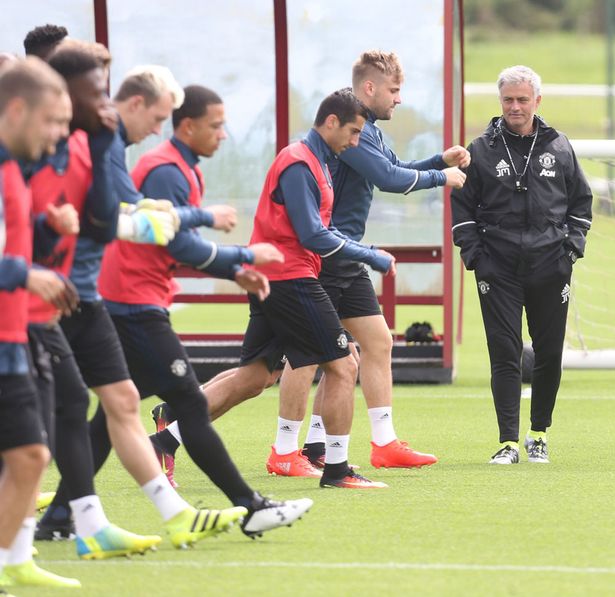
(398, 454)
(294, 464)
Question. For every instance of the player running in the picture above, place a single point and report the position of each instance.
(90, 333)
(29, 96)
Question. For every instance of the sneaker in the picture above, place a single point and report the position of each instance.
(266, 514)
(398, 454)
(536, 450)
(163, 416)
(44, 499)
(294, 464)
(113, 541)
(191, 525)
(29, 574)
(351, 481)
(505, 455)
(55, 529)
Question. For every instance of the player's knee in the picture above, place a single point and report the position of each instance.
(253, 388)
(342, 370)
(27, 463)
(273, 378)
(122, 401)
(252, 383)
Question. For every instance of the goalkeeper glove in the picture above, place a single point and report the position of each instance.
(147, 226)
(163, 205)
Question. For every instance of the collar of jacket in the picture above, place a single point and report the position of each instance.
(496, 127)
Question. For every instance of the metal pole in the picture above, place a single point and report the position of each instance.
(609, 92)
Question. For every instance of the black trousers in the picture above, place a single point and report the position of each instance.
(503, 296)
(64, 394)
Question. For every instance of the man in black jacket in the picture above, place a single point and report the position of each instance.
(521, 221)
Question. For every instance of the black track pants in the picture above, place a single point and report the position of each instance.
(503, 296)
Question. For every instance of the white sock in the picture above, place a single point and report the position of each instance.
(89, 515)
(287, 438)
(4, 557)
(164, 497)
(381, 419)
(21, 549)
(316, 432)
(173, 429)
(336, 448)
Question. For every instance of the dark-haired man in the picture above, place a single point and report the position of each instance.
(91, 333)
(299, 319)
(41, 41)
(138, 286)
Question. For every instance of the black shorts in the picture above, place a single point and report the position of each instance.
(97, 349)
(21, 423)
(70, 388)
(157, 360)
(297, 320)
(351, 297)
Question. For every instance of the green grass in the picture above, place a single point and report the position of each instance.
(558, 57)
(458, 528)
(577, 118)
(461, 512)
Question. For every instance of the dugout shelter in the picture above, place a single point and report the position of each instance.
(272, 61)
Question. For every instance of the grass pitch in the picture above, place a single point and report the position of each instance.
(460, 527)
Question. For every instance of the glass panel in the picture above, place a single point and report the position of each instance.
(325, 38)
(229, 47)
(76, 15)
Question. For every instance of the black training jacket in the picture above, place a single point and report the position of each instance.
(528, 230)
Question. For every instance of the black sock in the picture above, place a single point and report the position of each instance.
(55, 514)
(336, 471)
(164, 442)
(314, 450)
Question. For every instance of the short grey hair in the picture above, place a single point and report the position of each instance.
(514, 75)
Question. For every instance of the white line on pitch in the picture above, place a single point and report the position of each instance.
(486, 397)
(350, 565)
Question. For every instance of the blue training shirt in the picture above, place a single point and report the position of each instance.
(299, 192)
(373, 163)
(167, 182)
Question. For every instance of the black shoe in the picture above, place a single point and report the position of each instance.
(163, 416)
(351, 480)
(55, 530)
